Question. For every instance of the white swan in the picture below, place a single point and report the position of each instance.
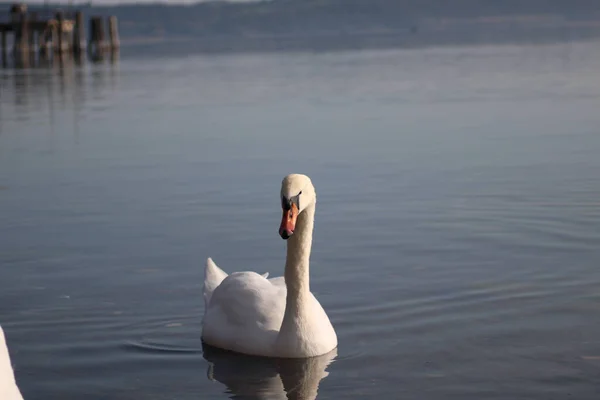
(279, 317)
(8, 386)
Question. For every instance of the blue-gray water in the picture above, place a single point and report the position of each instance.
(457, 242)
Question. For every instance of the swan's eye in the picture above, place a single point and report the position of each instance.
(296, 200)
(285, 203)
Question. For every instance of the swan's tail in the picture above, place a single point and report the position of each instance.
(213, 276)
(8, 386)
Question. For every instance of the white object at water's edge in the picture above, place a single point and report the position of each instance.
(8, 386)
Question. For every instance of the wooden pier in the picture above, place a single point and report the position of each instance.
(56, 32)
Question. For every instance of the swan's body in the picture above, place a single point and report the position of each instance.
(8, 386)
(245, 314)
(278, 317)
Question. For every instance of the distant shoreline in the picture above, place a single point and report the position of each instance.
(326, 25)
(348, 42)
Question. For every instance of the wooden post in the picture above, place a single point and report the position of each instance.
(41, 41)
(32, 31)
(60, 17)
(54, 39)
(78, 34)
(46, 42)
(4, 46)
(21, 34)
(97, 41)
(114, 56)
(17, 17)
(113, 32)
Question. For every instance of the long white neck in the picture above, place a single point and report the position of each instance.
(298, 255)
(297, 308)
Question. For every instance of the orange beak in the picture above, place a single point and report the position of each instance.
(288, 222)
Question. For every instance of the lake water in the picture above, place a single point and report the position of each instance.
(457, 242)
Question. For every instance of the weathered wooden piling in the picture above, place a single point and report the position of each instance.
(59, 33)
(33, 19)
(43, 42)
(16, 11)
(53, 36)
(113, 33)
(60, 43)
(21, 28)
(97, 40)
(3, 50)
(79, 43)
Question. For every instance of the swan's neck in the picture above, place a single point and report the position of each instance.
(295, 328)
(298, 254)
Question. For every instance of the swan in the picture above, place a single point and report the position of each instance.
(248, 313)
(8, 387)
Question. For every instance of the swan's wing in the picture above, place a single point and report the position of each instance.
(248, 298)
(213, 276)
(8, 386)
(244, 313)
(278, 281)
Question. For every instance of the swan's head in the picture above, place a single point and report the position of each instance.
(297, 193)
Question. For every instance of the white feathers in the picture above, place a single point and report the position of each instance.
(8, 386)
(213, 276)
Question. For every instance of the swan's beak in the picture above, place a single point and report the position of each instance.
(288, 222)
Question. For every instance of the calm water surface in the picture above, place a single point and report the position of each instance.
(457, 243)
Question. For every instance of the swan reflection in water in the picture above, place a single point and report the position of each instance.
(251, 377)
